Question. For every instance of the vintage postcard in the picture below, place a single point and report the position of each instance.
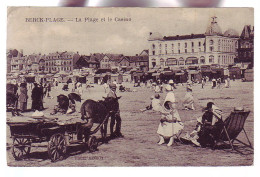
(130, 87)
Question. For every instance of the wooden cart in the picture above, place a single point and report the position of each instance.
(58, 134)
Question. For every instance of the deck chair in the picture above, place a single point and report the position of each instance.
(232, 127)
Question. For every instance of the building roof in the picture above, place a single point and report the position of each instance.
(115, 57)
(213, 28)
(231, 33)
(96, 56)
(247, 32)
(177, 37)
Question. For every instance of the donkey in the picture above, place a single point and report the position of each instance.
(98, 111)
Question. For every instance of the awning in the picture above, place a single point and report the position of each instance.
(193, 72)
(179, 74)
(156, 74)
(168, 73)
(151, 71)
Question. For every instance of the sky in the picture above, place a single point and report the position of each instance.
(128, 38)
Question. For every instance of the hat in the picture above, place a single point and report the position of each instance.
(112, 85)
(168, 88)
(171, 81)
(157, 96)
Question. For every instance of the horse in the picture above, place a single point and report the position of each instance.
(99, 112)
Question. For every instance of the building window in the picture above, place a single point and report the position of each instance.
(179, 45)
(185, 50)
(181, 61)
(153, 46)
(211, 59)
(211, 49)
(192, 50)
(179, 51)
(192, 44)
(186, 45)
(171, 61)
(199, 44)
(202, 60)
(211, 42)
(162, 62)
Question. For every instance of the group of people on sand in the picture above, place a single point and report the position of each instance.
(39, 91)
(216, 83)
(170, 124)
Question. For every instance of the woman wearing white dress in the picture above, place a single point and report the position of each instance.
(170, 123)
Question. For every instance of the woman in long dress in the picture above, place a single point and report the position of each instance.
(23, 97)
(170, 123)
(188, 101)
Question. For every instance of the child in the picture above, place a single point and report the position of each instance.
(155, 104)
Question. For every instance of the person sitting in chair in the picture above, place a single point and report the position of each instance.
(207, 126)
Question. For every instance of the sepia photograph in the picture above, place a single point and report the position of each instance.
(129, 87)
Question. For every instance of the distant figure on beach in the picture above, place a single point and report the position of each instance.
(23, 97)
(219, 83)
(188, 101)
(37, 95)
(214, 83)
(203, 82)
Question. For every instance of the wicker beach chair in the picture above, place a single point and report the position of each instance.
(231, 128)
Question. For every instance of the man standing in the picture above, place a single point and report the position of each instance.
(23, 97)
(115, 115)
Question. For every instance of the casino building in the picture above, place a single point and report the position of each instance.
(181, 51)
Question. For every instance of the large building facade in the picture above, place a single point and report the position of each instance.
(246, 46)
(212, 47)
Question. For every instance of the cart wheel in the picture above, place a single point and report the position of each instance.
(21, 148)
(57, 147)
(92, 144)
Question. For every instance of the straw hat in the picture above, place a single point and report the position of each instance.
(171, 81)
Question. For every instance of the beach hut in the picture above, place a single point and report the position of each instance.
(249, 75)
(116, 77)
(235, 72)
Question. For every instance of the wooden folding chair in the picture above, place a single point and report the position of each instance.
(232, 127)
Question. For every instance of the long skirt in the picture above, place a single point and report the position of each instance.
(167, 129)
(23, 106)
(188, 101)
(37, 105)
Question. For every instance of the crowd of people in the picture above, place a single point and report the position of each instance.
(170, 124)
(38, 92)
